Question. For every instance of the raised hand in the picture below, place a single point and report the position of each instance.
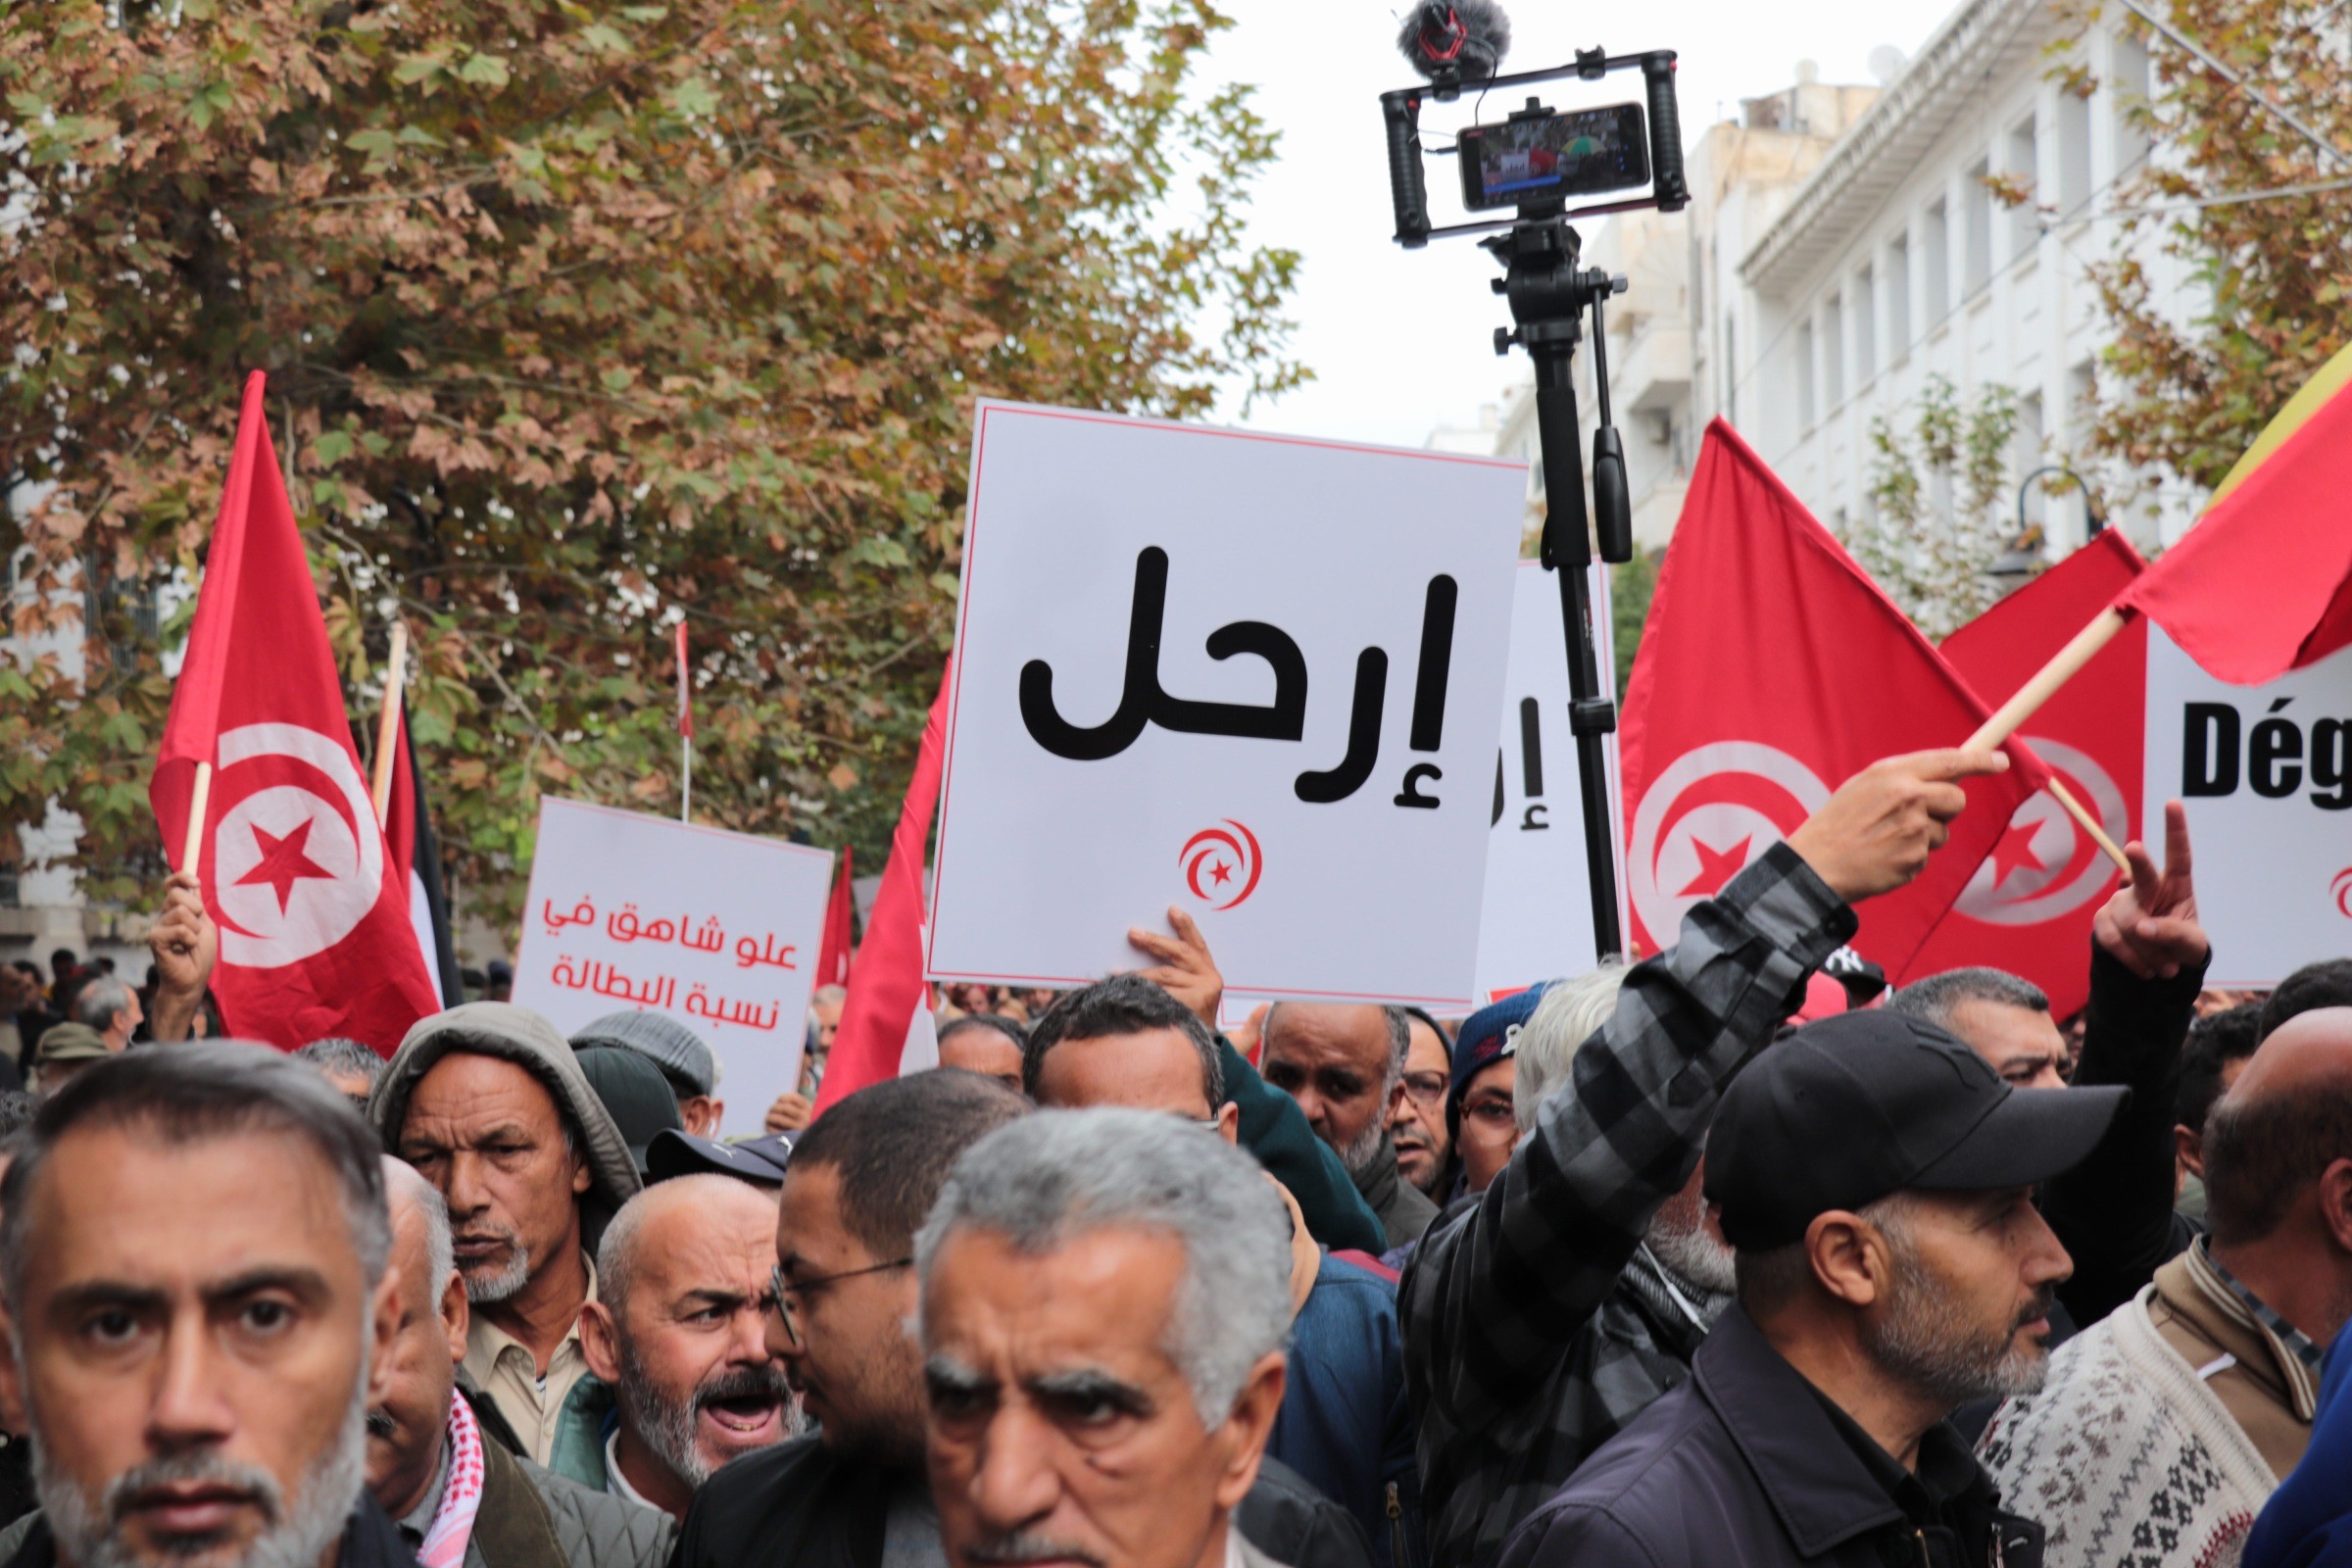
(1186, 970)
(1877, 832)
(2150, 925)
(186, 945)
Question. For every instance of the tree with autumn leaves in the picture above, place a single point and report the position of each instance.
(2260, 216)
(581, 317)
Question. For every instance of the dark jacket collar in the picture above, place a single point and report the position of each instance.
(1818, 1486)
(370, 1540)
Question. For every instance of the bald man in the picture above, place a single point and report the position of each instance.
(2189, 1403)
(1345, 1066)
(679, 1330)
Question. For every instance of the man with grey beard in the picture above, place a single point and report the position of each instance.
(679, 1331)
(489, 1103)
(458, 1496)
(192, 1252)
(1874, 1179)
(1345, 1066)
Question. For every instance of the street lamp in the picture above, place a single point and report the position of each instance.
(2092, 522)
(2022, 556)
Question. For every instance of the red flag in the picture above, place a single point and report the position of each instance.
(1773, 669)
(314, 936)
(2263, 583)
(886, 1025)
(417, 861)
(833, 951)
(2030, 905)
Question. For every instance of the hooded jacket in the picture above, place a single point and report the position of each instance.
(521, 1036)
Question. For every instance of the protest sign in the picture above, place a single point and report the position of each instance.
(716, 930)
(1252, 676)
(1537, 920)
(2265, 773)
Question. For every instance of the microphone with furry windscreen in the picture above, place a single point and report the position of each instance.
(1455, 40)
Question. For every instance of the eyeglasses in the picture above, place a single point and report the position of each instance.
(784, 1290)
(1428, 1087)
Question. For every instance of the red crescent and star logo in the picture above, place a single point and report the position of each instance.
(1221, 865)
(2341, 891)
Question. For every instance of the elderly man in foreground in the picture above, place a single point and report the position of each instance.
(1105, 1296)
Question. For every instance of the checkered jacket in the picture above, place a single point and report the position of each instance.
(1514, 1369)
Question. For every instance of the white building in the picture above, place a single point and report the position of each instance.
(1677, 325)
(1896, 260)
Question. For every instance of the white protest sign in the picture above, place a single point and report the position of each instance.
(2265, 773)
(716, 930)
(1250, 676)
(1538, 918)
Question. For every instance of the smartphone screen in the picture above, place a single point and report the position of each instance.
(1578, 153)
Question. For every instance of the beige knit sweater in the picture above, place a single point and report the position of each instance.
(2126, 1458)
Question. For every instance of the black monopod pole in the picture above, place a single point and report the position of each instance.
(1549, 296)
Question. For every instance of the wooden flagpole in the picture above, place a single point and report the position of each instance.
(387, 729)
(198, 799)
(2063, 667)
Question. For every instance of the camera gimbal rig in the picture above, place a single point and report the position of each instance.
(1548, 294)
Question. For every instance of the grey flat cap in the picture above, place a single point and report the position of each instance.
(670, 1043)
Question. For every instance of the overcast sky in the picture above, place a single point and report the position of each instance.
(1401, 341)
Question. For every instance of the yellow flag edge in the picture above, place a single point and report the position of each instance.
(2331, 380)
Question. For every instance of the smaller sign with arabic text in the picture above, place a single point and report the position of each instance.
(717, 930)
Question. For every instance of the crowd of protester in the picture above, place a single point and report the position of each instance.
(1637, 1267)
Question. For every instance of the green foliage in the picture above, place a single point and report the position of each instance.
(1937, 489)
(2187, 398)
(580, 318)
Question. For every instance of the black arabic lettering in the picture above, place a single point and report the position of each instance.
(1141, 701)
(1363, 736)
(1435, 667)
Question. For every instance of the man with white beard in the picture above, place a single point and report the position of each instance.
(192, 1249)
(680, 1333)
(488, 1103)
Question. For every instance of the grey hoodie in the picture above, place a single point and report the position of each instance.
(521, 1036)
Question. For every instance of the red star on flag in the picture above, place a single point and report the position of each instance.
(284, 862)
(1715, 867)
(2015, 852)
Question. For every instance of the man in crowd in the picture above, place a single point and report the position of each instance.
(687, 1064)
(1480, 1089)
(633, 1092)
(1417, 1120)
(458, 1496)
(112, 1008)
(2188, 1403)
(1343, 1423)
(63, 964)
(353, 1068)
(2113, 1211)
(1876, 1179)
(192, 1249)
(2219, 1046)
(986, 1044)
(1343, 1064)
(1268, 1123)
(2325, 984)
(679, 1331)
(488, 1103)
(1513, 1378)
(860, 1183)
(21, 1020)
(1083, 1405)
(66, 1051)
(792, 1110)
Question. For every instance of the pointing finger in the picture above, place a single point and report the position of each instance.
(1955, 763)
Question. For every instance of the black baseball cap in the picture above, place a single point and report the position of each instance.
(1862, 1105)
(760, 1160)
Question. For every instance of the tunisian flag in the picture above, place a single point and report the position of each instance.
(315, 935)
(833, 948)
(2030, 905)
(1773, 669)
(886, 1026)
(2263, 583)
